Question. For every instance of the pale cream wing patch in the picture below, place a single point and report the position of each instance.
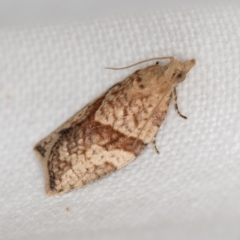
(96, 163)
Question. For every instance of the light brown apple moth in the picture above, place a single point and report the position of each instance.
(112, 130)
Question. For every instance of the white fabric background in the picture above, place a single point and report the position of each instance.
(190, 191)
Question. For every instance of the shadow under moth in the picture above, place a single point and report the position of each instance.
(112, 130)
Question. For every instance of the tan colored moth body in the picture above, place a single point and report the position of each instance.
(111, 131)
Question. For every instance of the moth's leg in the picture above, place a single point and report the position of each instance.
(154, 145)
(174, 95)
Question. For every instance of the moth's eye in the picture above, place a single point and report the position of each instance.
(181, 76)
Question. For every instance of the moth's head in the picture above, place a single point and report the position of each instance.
(176, 71)
(148, 80)
(189, 64)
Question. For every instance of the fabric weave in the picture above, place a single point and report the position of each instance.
(189, 191)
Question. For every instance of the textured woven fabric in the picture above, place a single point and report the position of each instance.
(190, 191)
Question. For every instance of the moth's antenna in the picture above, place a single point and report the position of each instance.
(150, 59)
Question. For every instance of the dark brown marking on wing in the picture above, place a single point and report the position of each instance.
(41, 150)
(52, 178)
(65, 131)
(125, 112)
(139, 79)
(135, 120)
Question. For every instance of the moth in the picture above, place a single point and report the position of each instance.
(112, 130)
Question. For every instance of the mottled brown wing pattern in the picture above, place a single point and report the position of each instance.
(85, 151)
(111, 131)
